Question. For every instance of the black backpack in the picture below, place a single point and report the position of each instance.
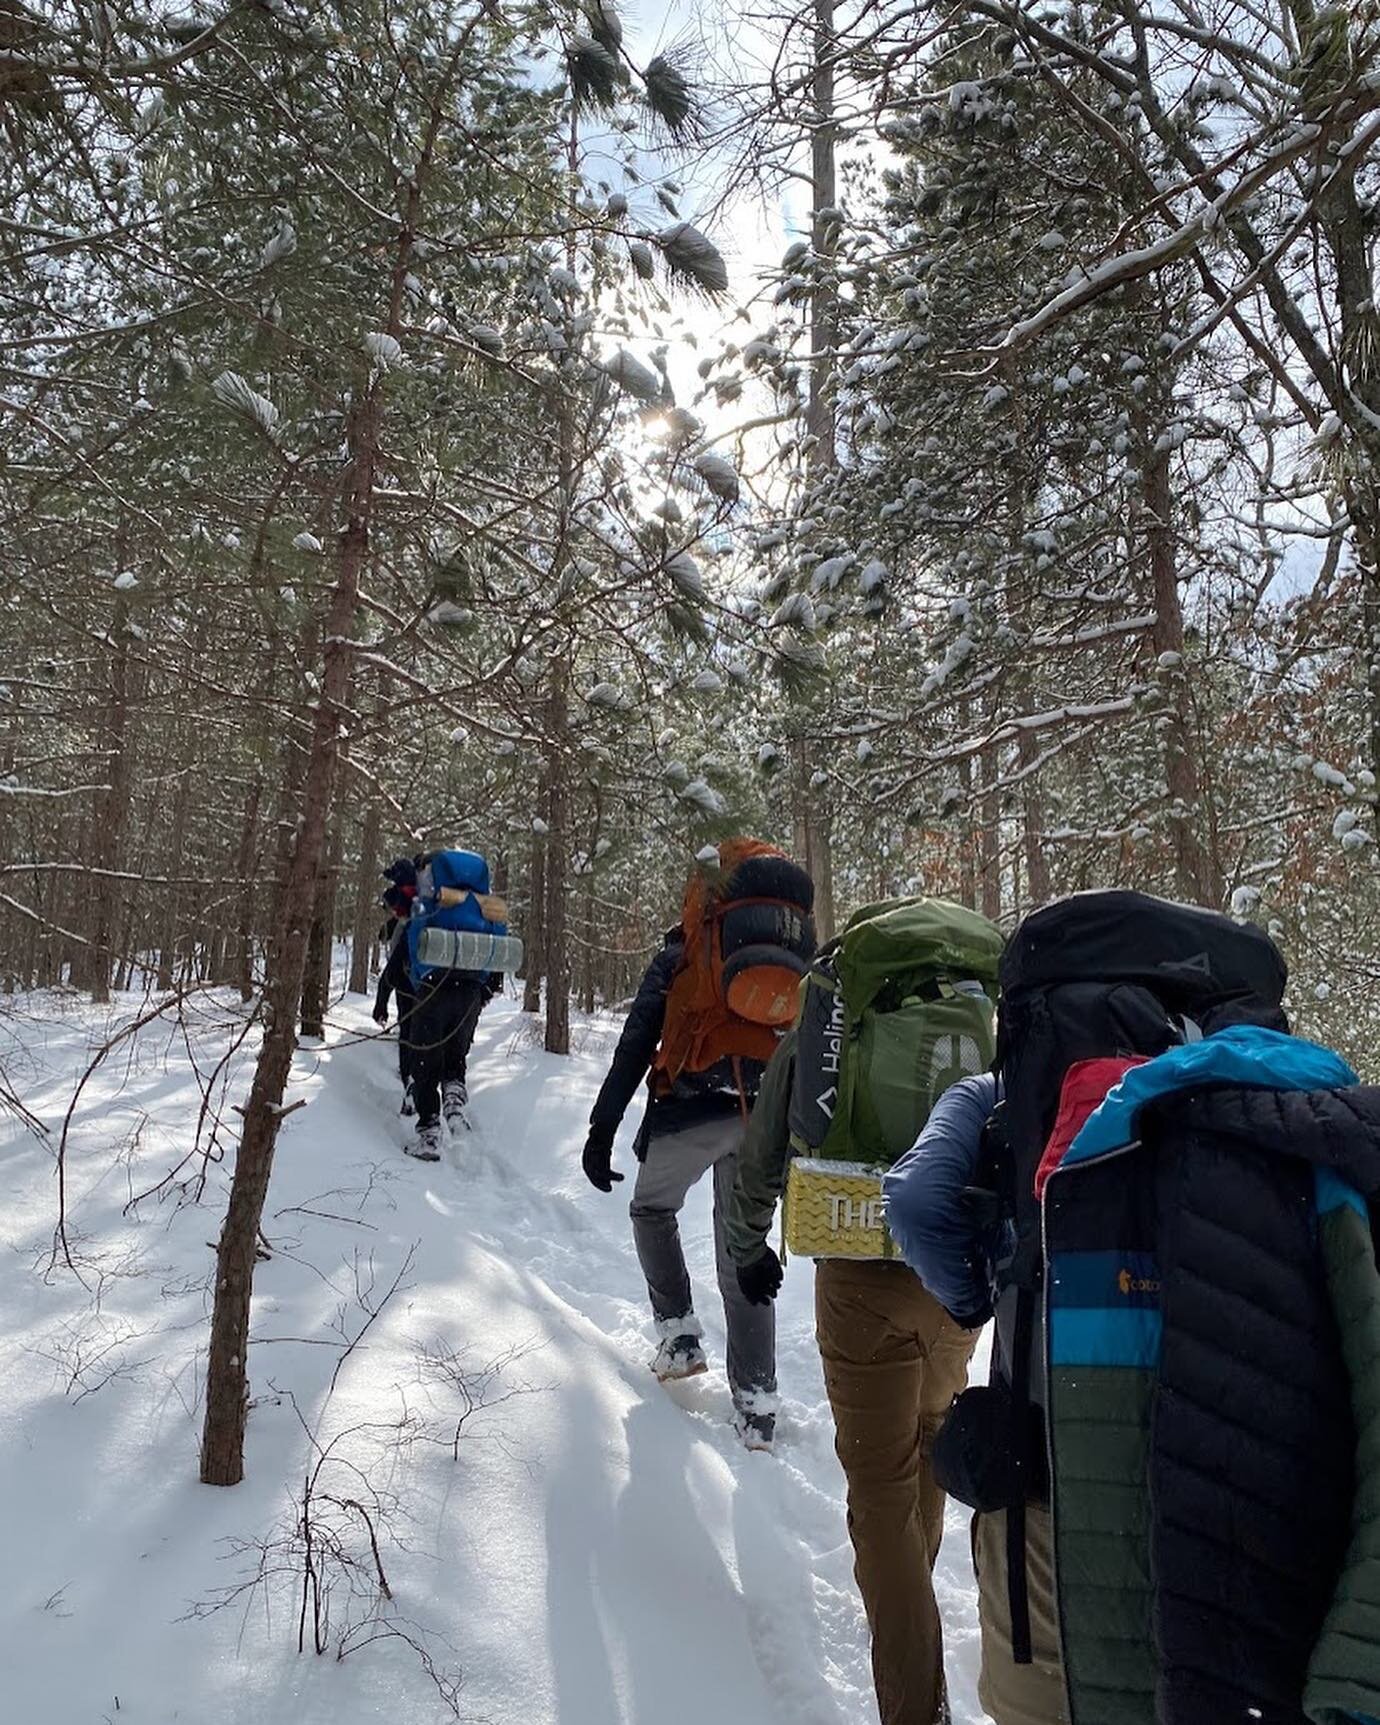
(1109, 973)
(1095, 975)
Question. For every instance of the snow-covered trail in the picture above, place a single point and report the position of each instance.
(603, 1552)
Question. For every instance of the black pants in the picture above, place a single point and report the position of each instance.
(407, 1034)
(446, 1014)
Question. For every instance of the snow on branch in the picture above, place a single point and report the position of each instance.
(1131, 266)
(9, 789)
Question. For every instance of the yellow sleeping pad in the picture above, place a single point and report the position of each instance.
(834, 1210)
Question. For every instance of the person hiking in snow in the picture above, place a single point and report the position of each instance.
(944, 1234)
(395, 980)
(893, 1014)
(1171, 1214)
(454, 906)
(700, 1031)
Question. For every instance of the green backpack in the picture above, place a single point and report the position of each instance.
(896, 1009)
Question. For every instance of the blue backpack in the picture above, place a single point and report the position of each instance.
(448, 873)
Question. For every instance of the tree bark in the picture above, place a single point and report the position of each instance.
(534, 933)
(316, 983)
(366, 916)
(172, 903)
(244, 864)
(556, 927)
(989, 851)
(227, 1381)
(1196, 879)
(113, 812)
(813, 825)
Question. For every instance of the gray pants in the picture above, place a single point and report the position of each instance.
(674, 1163)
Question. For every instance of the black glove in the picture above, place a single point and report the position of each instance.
(597, 1162)
(380, 1013)
(761, 1279)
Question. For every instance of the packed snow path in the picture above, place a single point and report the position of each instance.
(602, 1553)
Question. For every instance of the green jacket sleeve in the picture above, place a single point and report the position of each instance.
(764, 1158)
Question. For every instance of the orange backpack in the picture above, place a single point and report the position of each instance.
(749, 937)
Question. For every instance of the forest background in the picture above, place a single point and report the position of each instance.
(944, 438)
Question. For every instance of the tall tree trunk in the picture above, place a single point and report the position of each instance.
(316, 984)
(969, 842)
(227, 1381)
(534, 930)
(589, 957)
(813, 842)
(316, 971)
(113, 812)
(244, 865)
(172, 900)
(1345, 223)
(366, 914)
(1196, 879)
(989, 854)
(556, 928)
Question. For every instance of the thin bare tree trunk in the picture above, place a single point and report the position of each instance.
(813, 845)
(366, 915)
(989, 871)
(244, 864)
(534, 933)
(172, 903)
(1195, 877)
(227, 1381)
(556, 928)
(114, 811)
(316, 984)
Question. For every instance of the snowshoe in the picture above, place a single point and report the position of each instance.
(455, 1102)
(679, 1356)
(426, 1142)
(409, 1107)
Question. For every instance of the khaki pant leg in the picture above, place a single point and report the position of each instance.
(891, 1368)
(948, 1350)
(1019, 1694)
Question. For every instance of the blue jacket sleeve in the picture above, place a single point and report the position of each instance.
(938, 1234)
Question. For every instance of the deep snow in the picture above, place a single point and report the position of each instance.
(602, 1553)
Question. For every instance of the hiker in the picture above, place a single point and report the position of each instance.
(1176, 1461)
(454, 953)
(703, 1025)
(395, 979)
(893, 1013)
(954, 1246)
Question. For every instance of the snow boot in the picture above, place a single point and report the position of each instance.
(455, 1101)
(426, 1141)
(409, 1107)
(755, 1431)
(679, 1354)
(754, 1417)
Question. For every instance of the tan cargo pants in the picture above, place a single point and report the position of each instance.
(893, 1362)
(1018, 1694)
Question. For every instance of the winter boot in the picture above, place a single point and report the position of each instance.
(754, 1418)
(426, 1141)
(409, 1107)
(455, 1101)
(679, 1354)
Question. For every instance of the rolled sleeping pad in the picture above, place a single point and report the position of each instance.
(465, 949)
(762, 985)
(743, 925)
(771, 877)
